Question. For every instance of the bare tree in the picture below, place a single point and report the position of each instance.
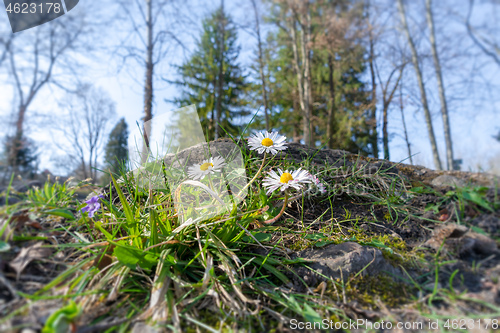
(486, 43)
(423, 94)
(35, 55)
(5, 43)
(371, 64)
(148, 44)
(401, 108)
(295, 21)
(439, 77)
(373, 110)
(86, 125)
(387, 97)
(261, 63)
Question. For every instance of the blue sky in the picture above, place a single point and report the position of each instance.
(471, 79)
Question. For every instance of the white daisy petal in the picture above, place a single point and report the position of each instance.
(207, 167)
(284, 180)
(269, 142)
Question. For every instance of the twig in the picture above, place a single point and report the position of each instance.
(9, 286)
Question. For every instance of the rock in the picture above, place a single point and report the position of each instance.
(490, 223)
(196, 154)
(447, 180)
(474, 244)
(459, 239)
(383, 167)
(12, 200)
(25, 187)
(349, 257)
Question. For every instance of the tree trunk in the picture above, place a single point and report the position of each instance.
(373, 109)
(212, 115)
(261, 66)
(306, 58)
(330, 126)
(494, 51)
(148, 86)
(385, 131)
(20, 120)
(6, 48)
(298, 70)
(17, 140)
(401, 107)
(423, 95)
(442, 96)
(303, 74)
(220, 80)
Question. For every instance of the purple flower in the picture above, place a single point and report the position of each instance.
(93, 205)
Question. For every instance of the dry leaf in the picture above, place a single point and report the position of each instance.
(34, 224)
(27, 255)
(19, 221)
(443, 217)
(103, 260)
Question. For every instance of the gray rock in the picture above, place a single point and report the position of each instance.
(490, 223)
(12, 200)
(461, 240)
(382, 167)
(447, 180)
(349, 257)
(27, 186)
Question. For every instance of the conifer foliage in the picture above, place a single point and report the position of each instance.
(117, 147)
(213, 79)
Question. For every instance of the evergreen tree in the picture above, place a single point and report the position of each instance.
(213, 80)
(336, 80)
(116, 152)
(351, 128)
(22, 155)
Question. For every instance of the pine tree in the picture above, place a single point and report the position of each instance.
(26, 157)
(351, 130)
(117, 148)
(213, 80)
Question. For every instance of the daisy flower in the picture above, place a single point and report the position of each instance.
(199, 171)
(286, 179)
(267, 142)
(321, 187)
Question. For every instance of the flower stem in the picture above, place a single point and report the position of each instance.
(254, 178)
(271, 221)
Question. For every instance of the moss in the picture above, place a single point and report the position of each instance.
(388, 217)
(393, 249)
(369, 290)
(300, 243)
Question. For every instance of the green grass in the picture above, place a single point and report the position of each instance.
(135, 260)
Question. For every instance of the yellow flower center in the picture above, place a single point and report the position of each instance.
(204, 166)
(267, 142)
(285, 178)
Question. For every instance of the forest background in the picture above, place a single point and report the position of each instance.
(412, 81)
